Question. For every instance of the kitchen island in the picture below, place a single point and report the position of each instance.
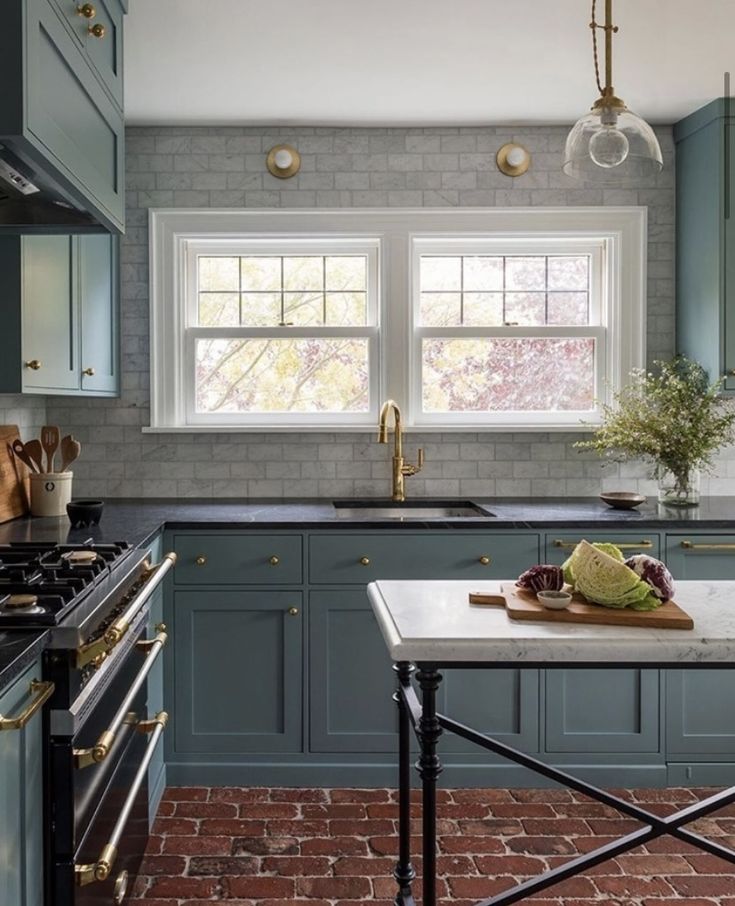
(428, 626)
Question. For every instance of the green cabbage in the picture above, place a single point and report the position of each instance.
(569, 566)
(604, 579)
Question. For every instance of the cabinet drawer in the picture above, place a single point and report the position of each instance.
(691, 556)
(362, 558)
(220, 559)
(559, 545)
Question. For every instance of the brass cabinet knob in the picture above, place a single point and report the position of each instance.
(293, 611)
(274, 561)
(365, 561)
(201, 560)
(33, 364)
(89, 372)
(97, 31)
(86, 10)
(485, 561)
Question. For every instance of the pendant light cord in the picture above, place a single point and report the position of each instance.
(594, 26)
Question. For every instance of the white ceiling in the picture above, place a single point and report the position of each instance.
(414, 62)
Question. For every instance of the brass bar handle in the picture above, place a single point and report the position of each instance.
(33, 364)
(691, 546)
(97, 31)
(42, 692)
(116, 631)
(102, 868)
(97, 753)
(87, 11)
(624, 546)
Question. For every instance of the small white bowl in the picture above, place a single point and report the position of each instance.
(554, 600)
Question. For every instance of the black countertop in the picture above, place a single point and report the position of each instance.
(137, 521)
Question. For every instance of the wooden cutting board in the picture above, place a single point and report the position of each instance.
(14, 481)
(522, 605)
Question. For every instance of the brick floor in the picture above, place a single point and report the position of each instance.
(336, 847)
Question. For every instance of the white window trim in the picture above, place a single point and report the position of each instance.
(622, 229)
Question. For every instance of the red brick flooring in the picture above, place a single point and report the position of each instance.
(317, 847)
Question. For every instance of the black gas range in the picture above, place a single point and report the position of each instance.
(94, 601)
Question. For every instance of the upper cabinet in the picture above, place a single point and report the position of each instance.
(61, 118)
(705, 243)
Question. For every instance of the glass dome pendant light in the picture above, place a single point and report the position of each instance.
(610, 142)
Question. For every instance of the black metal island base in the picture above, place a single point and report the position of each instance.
(429, 626)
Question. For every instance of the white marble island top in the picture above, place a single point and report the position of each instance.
(432, 621)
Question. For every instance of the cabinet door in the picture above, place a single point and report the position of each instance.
(237, 663)
(99, 313)
(697, 556)
(106, 52)
(21, 804)
(49, 313)
(602, 711)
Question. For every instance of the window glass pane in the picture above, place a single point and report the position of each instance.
(218, 274)
(568, 308)
(301, 309)
(569, 272)
(508, 374)
(483, 309)
(219, 309)
(260, 309)
(525, 309)
(346, 309)
(289, 375)
(346, 272)
(303, 273)
(440, 273)
(260, 273)
(441, 309)
(483, 273)
(525, 273)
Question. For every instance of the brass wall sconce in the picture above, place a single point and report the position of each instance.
(513, 159)
(283, 161)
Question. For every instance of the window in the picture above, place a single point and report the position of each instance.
(477, 319)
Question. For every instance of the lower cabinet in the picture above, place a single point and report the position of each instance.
(21, 802)
(237, 671)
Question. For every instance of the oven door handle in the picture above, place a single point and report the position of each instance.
(102, 748)
(100, 870)
(151, 579)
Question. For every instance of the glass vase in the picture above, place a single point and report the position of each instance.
(679, 491)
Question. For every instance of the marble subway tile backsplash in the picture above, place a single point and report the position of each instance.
(225, 167)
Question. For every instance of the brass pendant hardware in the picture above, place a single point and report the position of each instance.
(513, 159)
(42, 692)
(201, 560)
(283, 161)
(365, 561)
(293, 611)
(274, 561)
(33, 364)
(485, 561)
(87, 11)
(97, 31)
(88, 372)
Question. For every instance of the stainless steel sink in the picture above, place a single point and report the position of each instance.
(415, 509)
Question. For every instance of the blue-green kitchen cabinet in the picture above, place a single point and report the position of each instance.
(21, 803)
(62, 111)
(700, 714)
(62, 297)
(705, 238)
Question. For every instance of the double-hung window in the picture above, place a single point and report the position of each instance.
(476, 319)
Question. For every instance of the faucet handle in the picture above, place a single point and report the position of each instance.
(409, 469)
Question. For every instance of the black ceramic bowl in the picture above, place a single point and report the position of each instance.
(84, 512)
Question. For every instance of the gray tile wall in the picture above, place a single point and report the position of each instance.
(27, 412)
(224, 167)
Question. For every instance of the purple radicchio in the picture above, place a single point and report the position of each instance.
(545, 577)
(655, 573)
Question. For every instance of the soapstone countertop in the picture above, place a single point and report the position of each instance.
(433, 621)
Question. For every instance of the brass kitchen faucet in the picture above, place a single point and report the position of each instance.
(401, 468)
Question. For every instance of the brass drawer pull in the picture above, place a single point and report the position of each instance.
(42, 692)
(88, 372)
(201, 560)
(624, 546)
(87, 11)
(33, 364)
(97, 31)
(364, 561)
(691, 546)
(274, 561)
(293, 611)
(485, 561)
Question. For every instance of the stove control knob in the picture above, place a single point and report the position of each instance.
(201, 560)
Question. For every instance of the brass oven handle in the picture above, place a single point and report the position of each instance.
(102, 748)
(690, 546)
(101, 869)
(152, 578)
(42, 692)
(625, 546)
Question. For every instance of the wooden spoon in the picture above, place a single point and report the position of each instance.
(50, 444)
(35, 451)
(70, 450)
(20, 451)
